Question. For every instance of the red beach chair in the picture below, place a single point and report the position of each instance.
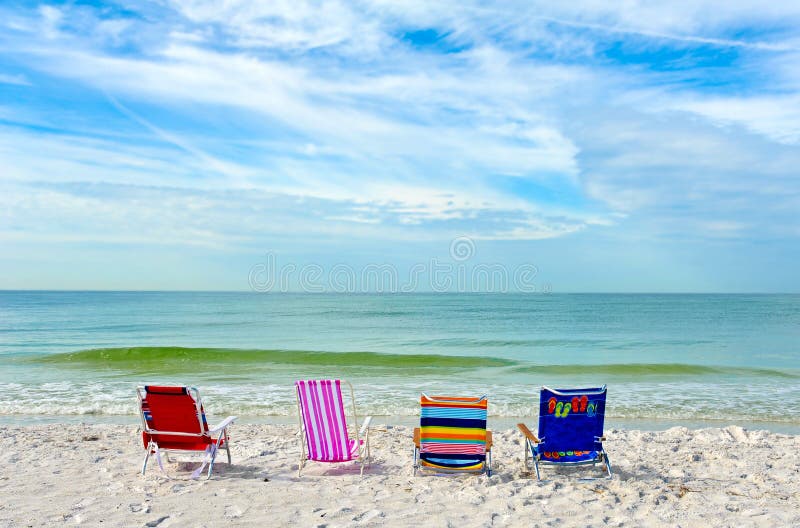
(173, 419)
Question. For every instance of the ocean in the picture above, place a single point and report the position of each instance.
(667, 359)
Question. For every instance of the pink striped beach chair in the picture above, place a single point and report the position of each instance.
(323, 431)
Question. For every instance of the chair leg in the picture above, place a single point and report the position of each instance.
(227, 447)
(302, 446)
(416, 460)
(489, 468)
(608, 465)
(211, 462)
(536, 466)
(146, 458)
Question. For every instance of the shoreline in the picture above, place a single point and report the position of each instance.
(76, 474)
(499, 423)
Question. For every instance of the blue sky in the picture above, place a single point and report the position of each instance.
(173, 144)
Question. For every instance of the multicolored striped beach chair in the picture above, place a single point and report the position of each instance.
(173, 419)
(323, 426)
(452, 435)
(570, 429)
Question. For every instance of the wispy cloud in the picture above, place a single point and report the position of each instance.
(774, 116)
(14, 79)
(687, 39)
(379, 121)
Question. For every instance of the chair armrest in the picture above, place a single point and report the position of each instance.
(365, 425)
(488, 440)
(222, 425)
(153, 432)
(527, 433)
(416, 436)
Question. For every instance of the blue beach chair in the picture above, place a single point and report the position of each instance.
(570, 429)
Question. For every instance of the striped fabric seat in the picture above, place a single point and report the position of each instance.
(324, 424)
(324, 421)
(452, 434)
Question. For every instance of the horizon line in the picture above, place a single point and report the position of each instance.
(300, 292)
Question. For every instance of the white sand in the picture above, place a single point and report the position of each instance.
(88, 475)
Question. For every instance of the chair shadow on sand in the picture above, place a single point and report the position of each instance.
(623, 473)
(222, 471)
(184, 468)
(570, 473)
(641, 473)
(325, 470)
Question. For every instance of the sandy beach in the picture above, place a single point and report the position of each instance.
(66, 475)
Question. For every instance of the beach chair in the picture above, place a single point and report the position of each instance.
(452, 436)
(323, 431)
(570, 429)
(173, 419)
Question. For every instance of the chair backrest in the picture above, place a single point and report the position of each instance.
(321, 408)
(172, 409)
(571, 419)
(453, 430)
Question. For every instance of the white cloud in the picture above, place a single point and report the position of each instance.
(322, 110)
(776, 117)
(691, 21)
(284, 24)
(353, 115)
(51, 19)
(18, 79)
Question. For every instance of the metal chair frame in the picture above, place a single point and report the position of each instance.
(363, 431)
(485, 468)
(532, 456)
(222, 429)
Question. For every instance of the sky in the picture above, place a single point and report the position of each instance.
(610, 146)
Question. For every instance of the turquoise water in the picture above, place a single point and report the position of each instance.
(677, 358)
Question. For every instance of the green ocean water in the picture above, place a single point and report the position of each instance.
(693, 358)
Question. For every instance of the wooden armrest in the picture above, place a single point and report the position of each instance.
(527, 433)
(416, 436)
(488, 440)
